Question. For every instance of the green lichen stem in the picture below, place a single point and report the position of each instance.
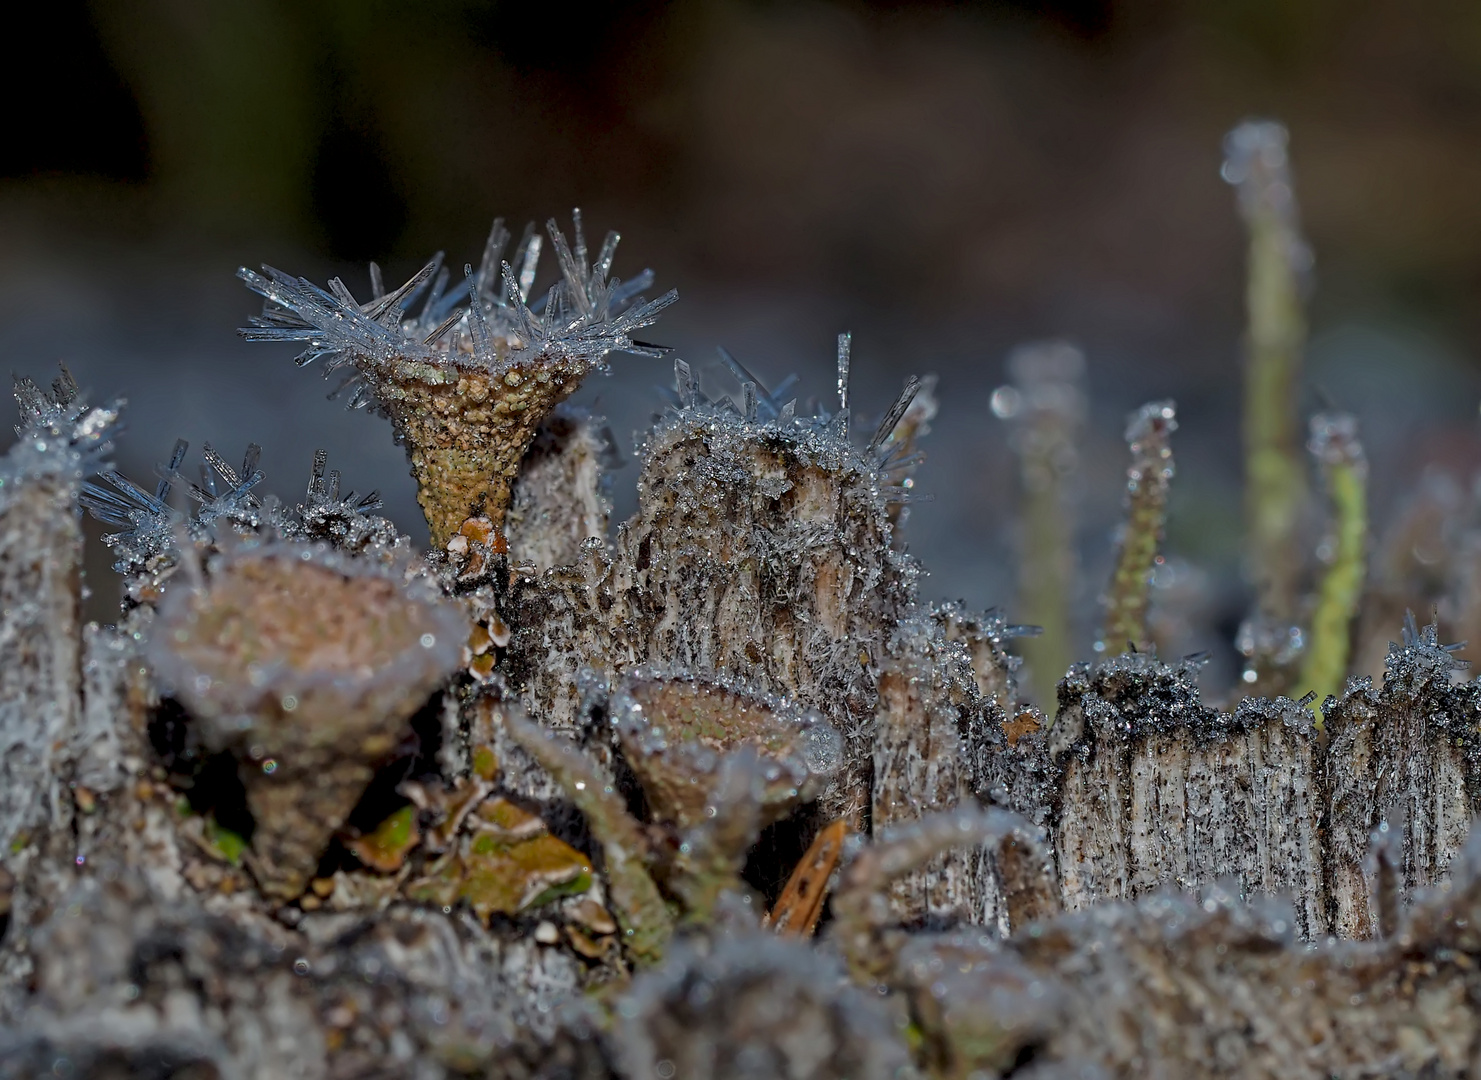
(1334, 442)
(1147, 481)
(1275, 472)
(646, 921)
(1048, 405)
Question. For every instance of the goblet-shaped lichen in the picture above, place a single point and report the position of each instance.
(675, 731)
(307, 664)
(465, 387)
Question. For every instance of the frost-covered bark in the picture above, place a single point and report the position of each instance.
(1159, 789)
(560, 496)
(759, 550)
(41, 636)
(1172, 987)
(939, 745)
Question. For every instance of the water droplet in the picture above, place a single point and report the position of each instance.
(1006, 402)
(270, 766)
(429, 640)
(301, 966)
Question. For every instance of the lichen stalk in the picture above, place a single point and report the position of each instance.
(1334, 443)
(1047, 402)
(646, 922)
(1147, 482)
(1275, 474)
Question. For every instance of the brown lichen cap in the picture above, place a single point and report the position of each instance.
(675, 729)
(308, 662)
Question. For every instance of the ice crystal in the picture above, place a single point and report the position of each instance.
(344, 519)
(224, 494)
(145, 520)
(1421, 653)
(61, 431)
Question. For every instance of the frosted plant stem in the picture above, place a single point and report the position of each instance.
(1334, 442)
(1275, 477)
(1147, 482)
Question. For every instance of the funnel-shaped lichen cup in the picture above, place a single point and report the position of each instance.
(675, 730)
(307, 663)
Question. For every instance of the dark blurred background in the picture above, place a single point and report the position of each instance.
(945, 180)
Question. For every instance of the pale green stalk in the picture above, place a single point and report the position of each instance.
(646, 921)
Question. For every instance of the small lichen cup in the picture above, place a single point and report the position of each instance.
(675, 730)
(307, 664)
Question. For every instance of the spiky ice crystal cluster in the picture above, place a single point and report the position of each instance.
(717, 796)
(468, 380)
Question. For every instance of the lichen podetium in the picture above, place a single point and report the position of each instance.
(1256, 163)
(1334, 443)
(1046, 402)
(1147, 481)
(465, 388)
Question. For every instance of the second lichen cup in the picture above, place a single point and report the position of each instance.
(675, 731)
(307, 664)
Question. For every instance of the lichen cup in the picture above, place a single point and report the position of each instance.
(306, 663)
(675, 729)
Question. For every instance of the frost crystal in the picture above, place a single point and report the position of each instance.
(345, 520)
(59, 431)
(146, 522)
(224, 494)
(1421, 655)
